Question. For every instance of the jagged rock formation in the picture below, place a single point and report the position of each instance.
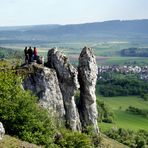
(87, 78)
(68, 81)
(2, 131)
(56, 85)
(44, 83)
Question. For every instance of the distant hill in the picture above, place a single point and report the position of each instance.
(133, 30)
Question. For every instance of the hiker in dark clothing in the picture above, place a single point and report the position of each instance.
(26, 55)
(30, 53)
(35, 53)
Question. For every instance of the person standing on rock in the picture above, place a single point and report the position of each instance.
(35, 52)
(42, 60)
(30, 53)
(26, 55)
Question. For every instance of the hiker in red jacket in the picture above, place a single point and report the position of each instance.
(35, 53)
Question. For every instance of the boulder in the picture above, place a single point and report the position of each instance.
(87, 74)
(2, 131)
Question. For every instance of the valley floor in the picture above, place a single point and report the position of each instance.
(124, 119)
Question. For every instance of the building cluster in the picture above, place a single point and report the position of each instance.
(142, 71)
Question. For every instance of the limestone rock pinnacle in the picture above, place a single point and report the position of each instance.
(68, 82)
(88, 71)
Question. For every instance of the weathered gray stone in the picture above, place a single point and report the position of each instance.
(2, 131)
(67, 76)
(87, 78)
(56, 87)
(44, 83)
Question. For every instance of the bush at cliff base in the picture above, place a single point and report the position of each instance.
(23, 118)
(21, 115)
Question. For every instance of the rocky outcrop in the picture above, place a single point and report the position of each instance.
(87, 78)
(57, 83)
(68, 82)
(44, 83)
(2, 131)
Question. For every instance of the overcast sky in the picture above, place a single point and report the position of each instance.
(33, 12)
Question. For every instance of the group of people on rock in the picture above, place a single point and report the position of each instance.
(31, 55)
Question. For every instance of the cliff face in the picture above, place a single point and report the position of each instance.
(56, 85)
(44, 83)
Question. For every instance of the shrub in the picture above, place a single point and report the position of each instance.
(20, 113)
(137, 111)
(144, 97)
(74, 140)
(105, 114)
(137, 139)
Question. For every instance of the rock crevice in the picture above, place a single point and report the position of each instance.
(68, 82)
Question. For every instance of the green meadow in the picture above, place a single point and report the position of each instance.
(122, 118)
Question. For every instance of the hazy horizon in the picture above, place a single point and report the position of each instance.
(26, 12)
(73, 23)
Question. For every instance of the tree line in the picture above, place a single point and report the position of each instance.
(112, 84)
(135, 52)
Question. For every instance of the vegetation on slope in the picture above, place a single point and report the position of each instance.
(7, 53)
(123, 119)
(137, 111)
(20, 113)
(24, 119)
(105, 113)
(134, 127)
(121, 85)
(12, 142)
(137, 139)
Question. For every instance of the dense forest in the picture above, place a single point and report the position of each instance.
(121, 85)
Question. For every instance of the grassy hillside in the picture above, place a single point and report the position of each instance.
(110, 143)
(11, 142)
(122, 118)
